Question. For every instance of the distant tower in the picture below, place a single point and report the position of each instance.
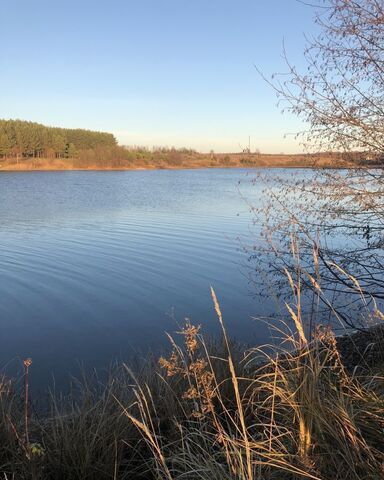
(248, 149)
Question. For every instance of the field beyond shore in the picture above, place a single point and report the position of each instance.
(141, 159)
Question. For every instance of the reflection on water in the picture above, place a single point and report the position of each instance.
(95, 265)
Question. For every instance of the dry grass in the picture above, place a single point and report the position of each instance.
(149, 160)
(298, 415)
(208, 411)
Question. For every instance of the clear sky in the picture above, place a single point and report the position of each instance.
(153, 72)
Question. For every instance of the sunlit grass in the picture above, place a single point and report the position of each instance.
(298, 415)
(208, 411)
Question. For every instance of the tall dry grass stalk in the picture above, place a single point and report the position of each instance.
(210, 410)
(296, 414)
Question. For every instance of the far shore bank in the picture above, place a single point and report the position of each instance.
(182, 162)
(96, 169)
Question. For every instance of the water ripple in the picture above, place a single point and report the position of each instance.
(94, 264)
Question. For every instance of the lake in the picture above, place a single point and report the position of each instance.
(98, 265)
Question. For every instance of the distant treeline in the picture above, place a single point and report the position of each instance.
(32, 146)
(21, 139)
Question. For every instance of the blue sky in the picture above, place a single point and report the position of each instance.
(153, 72)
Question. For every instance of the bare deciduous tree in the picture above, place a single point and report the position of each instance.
(337, 214)
(341, 95)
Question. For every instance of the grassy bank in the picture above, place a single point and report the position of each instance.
(211, 411)
(118, 158)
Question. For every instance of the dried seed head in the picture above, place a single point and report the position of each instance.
(190, 333)
(27, 362)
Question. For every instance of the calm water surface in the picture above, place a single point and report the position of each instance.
(97, 265)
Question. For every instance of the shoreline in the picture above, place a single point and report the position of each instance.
(173, 160)
(202, 167)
